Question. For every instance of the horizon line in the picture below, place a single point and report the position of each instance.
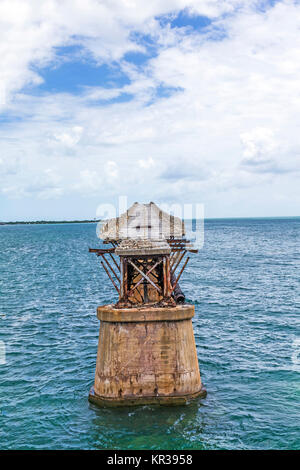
(78, 221)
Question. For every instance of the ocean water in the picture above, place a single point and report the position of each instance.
(245, 286)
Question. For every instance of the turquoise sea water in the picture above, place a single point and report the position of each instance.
(245, 286)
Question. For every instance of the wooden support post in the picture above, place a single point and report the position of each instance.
(125, 279)
(164, 278)
(168, 277)
(121, 279)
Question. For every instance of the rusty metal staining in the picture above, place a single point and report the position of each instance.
(146, 276)
(100, 251)
(146, 357)
(146, 351)
(177, 292)
(179, 275)
(151, 247)
(177, 261)
(109, 313)
(109, 275)
(143, 247)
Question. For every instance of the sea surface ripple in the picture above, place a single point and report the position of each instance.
(245, 286)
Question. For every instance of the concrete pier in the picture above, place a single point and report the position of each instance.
(146, 350)
(146, 355)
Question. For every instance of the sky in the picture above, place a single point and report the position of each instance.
(190, 101)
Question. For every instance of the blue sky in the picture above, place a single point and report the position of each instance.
(193, 101)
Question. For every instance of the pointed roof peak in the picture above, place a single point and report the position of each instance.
(143, 221)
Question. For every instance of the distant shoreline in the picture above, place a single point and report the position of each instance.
(45, 222)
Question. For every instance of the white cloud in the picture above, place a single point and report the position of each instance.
(147, 163)
(227, 133)
(89, 181)
(30, 30)
(258, 144)
(71, 138)
(111, 170)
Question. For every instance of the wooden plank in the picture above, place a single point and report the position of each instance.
(101, 251)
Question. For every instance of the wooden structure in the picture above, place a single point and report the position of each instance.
(146, 351)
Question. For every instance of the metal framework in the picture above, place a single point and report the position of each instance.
(145, 279)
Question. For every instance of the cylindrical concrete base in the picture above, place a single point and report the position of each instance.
(146, 356)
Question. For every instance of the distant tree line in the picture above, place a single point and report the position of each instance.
(37, 222)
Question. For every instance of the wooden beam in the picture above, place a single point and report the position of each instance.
(168, 276)
(101, 251)
(145, 276)
(141, 280)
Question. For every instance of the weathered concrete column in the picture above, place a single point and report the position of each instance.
(146, 356)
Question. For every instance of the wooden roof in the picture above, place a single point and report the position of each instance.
(143, 221)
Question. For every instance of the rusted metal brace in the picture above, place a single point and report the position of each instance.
(110, 277)
(141, 280)
(179, 275)
(145, 276)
